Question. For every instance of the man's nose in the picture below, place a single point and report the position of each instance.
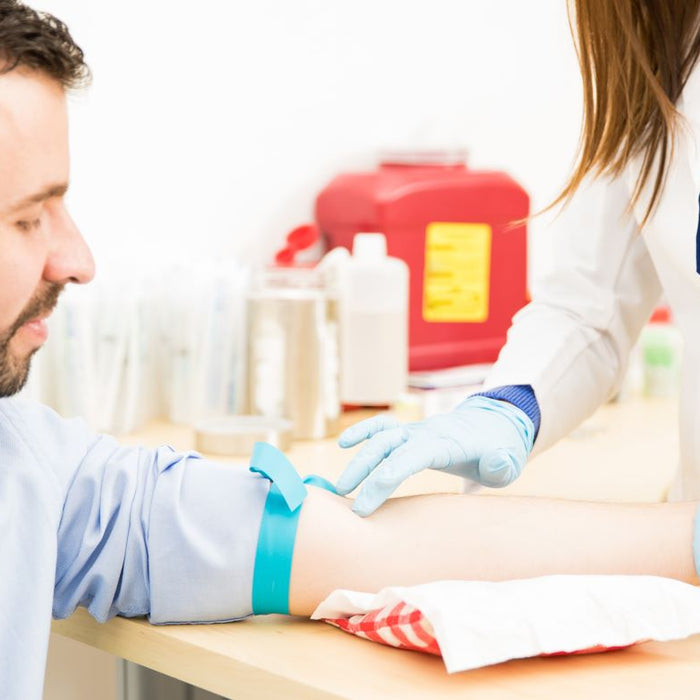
(69, 259)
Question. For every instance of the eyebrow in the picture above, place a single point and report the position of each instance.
(56, 190)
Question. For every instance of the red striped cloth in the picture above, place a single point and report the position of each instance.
(406, 627)
(399, 626)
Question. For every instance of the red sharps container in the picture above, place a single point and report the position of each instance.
(461, 233)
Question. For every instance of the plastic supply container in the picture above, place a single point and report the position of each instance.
(453, 227)
(291, 356)
(373, 314)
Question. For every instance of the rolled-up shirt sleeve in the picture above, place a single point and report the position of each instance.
(146, 531)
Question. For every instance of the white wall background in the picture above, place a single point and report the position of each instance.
(211, 125)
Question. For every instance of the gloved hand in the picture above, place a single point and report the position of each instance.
(483, 439)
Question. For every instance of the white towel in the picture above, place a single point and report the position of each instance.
(481, 623)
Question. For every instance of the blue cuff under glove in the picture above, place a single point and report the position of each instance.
(484, 439)
(520, 395)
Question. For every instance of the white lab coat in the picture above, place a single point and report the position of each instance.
(573, 341)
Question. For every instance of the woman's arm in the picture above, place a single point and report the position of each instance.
(571, 343)
(452, 536)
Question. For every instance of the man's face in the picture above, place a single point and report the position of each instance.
(41, 250)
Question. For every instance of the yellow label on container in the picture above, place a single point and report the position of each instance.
(457, 272)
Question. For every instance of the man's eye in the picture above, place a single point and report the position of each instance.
(28, 225)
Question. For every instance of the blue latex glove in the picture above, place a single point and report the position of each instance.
(483, 439)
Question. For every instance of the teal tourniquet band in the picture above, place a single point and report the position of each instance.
(696, 541)
(278, 529)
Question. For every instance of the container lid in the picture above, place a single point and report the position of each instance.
(369, 246)
(661, 314)
(299, 282)
(300, 239)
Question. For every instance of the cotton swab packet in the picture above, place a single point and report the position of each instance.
(473, 623)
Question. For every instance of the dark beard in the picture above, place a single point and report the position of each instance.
(15, 371)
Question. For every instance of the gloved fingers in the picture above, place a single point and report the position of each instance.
(499, 468)
(378, 448)
(365, 429)
(409, 459)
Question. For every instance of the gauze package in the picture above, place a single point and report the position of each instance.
(474, 623)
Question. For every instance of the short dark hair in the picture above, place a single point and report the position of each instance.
(39, 41)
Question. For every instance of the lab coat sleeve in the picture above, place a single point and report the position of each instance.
(572, 342)
(147, 531)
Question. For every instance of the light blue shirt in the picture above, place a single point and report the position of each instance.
(119, 530)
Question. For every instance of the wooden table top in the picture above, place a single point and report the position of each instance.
(626, 452)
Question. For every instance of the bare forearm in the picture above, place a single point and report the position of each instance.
(427, 538)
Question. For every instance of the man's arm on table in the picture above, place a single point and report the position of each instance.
(452, 536)
(174, 536)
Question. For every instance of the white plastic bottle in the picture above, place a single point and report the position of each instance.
(373, 312)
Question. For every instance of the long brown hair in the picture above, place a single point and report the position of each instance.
(635, 57)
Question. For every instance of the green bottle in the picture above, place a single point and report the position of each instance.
(661, 344)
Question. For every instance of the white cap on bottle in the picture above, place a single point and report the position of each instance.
(369, 246)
